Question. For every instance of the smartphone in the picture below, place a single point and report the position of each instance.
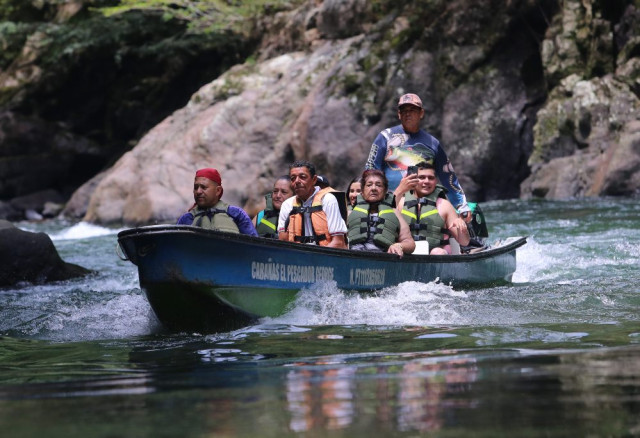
(411, 170)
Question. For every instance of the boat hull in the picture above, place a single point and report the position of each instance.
(204, 280)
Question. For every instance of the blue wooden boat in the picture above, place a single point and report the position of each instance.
(206, 281)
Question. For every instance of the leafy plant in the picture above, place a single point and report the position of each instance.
(208, 15)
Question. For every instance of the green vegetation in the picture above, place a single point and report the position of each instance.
(208, 15)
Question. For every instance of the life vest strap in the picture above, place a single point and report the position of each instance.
(309, 239)
(209, 212)
(421, 201)
(267, 224)
(418, 226)
(303, 210)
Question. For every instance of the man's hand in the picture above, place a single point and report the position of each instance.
(408, 182)
(396, 248)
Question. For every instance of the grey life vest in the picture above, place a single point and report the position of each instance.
(383, 228)
(214, 218)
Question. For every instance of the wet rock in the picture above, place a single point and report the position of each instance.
(76, 207)
(579, 41)
(31, 257)
(8, 212)
(32, 215)
(52, 209)
(581, 135)
(341, 19)
(33, 205)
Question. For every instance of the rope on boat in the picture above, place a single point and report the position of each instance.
(120, 252)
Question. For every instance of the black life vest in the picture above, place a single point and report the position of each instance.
(267, 222)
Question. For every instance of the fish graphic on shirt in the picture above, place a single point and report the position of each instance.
(401, 156)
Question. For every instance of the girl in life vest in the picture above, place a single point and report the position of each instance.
(353, 190)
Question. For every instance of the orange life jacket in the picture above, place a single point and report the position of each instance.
(295, 228)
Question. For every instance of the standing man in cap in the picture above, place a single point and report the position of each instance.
(210, 212)
(404, 145)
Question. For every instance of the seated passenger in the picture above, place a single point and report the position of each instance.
(266, 221)
(374, 224)
(322, 182)
(312, 215)
(430, 215)
(353, 190)
(210, 212)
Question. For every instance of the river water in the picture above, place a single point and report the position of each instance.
(555, 354)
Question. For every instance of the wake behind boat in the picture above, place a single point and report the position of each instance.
(203, 280)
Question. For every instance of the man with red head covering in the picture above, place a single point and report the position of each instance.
(210, 212)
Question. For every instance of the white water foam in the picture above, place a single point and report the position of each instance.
(82, 230)
(115, 317)
(532, 260)
(410, 303)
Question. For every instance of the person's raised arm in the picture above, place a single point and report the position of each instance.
(408, 182)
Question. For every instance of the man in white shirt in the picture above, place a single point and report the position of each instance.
(311, 216)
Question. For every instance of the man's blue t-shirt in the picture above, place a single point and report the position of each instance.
(239, 216)
(394, 150)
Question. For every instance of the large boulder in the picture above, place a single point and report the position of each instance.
(31, 257)
(268, 111)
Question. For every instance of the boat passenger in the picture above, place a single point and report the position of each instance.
(323, 182)
(374, 224)
(313, 215)
(404, 145)
(430, 215)
(353, 190)
(210, 212)
(266, 221)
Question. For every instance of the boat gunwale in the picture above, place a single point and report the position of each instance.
(297, 247)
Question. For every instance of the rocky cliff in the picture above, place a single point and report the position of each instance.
(530, 98)
(78, 89)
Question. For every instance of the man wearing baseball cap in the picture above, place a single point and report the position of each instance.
(404, 145)
(210, 212)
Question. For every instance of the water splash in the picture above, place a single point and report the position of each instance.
(410, 303)
(82, 230)
(533, 260)
(79, 316)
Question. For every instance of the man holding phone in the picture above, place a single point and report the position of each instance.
(396, 149)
